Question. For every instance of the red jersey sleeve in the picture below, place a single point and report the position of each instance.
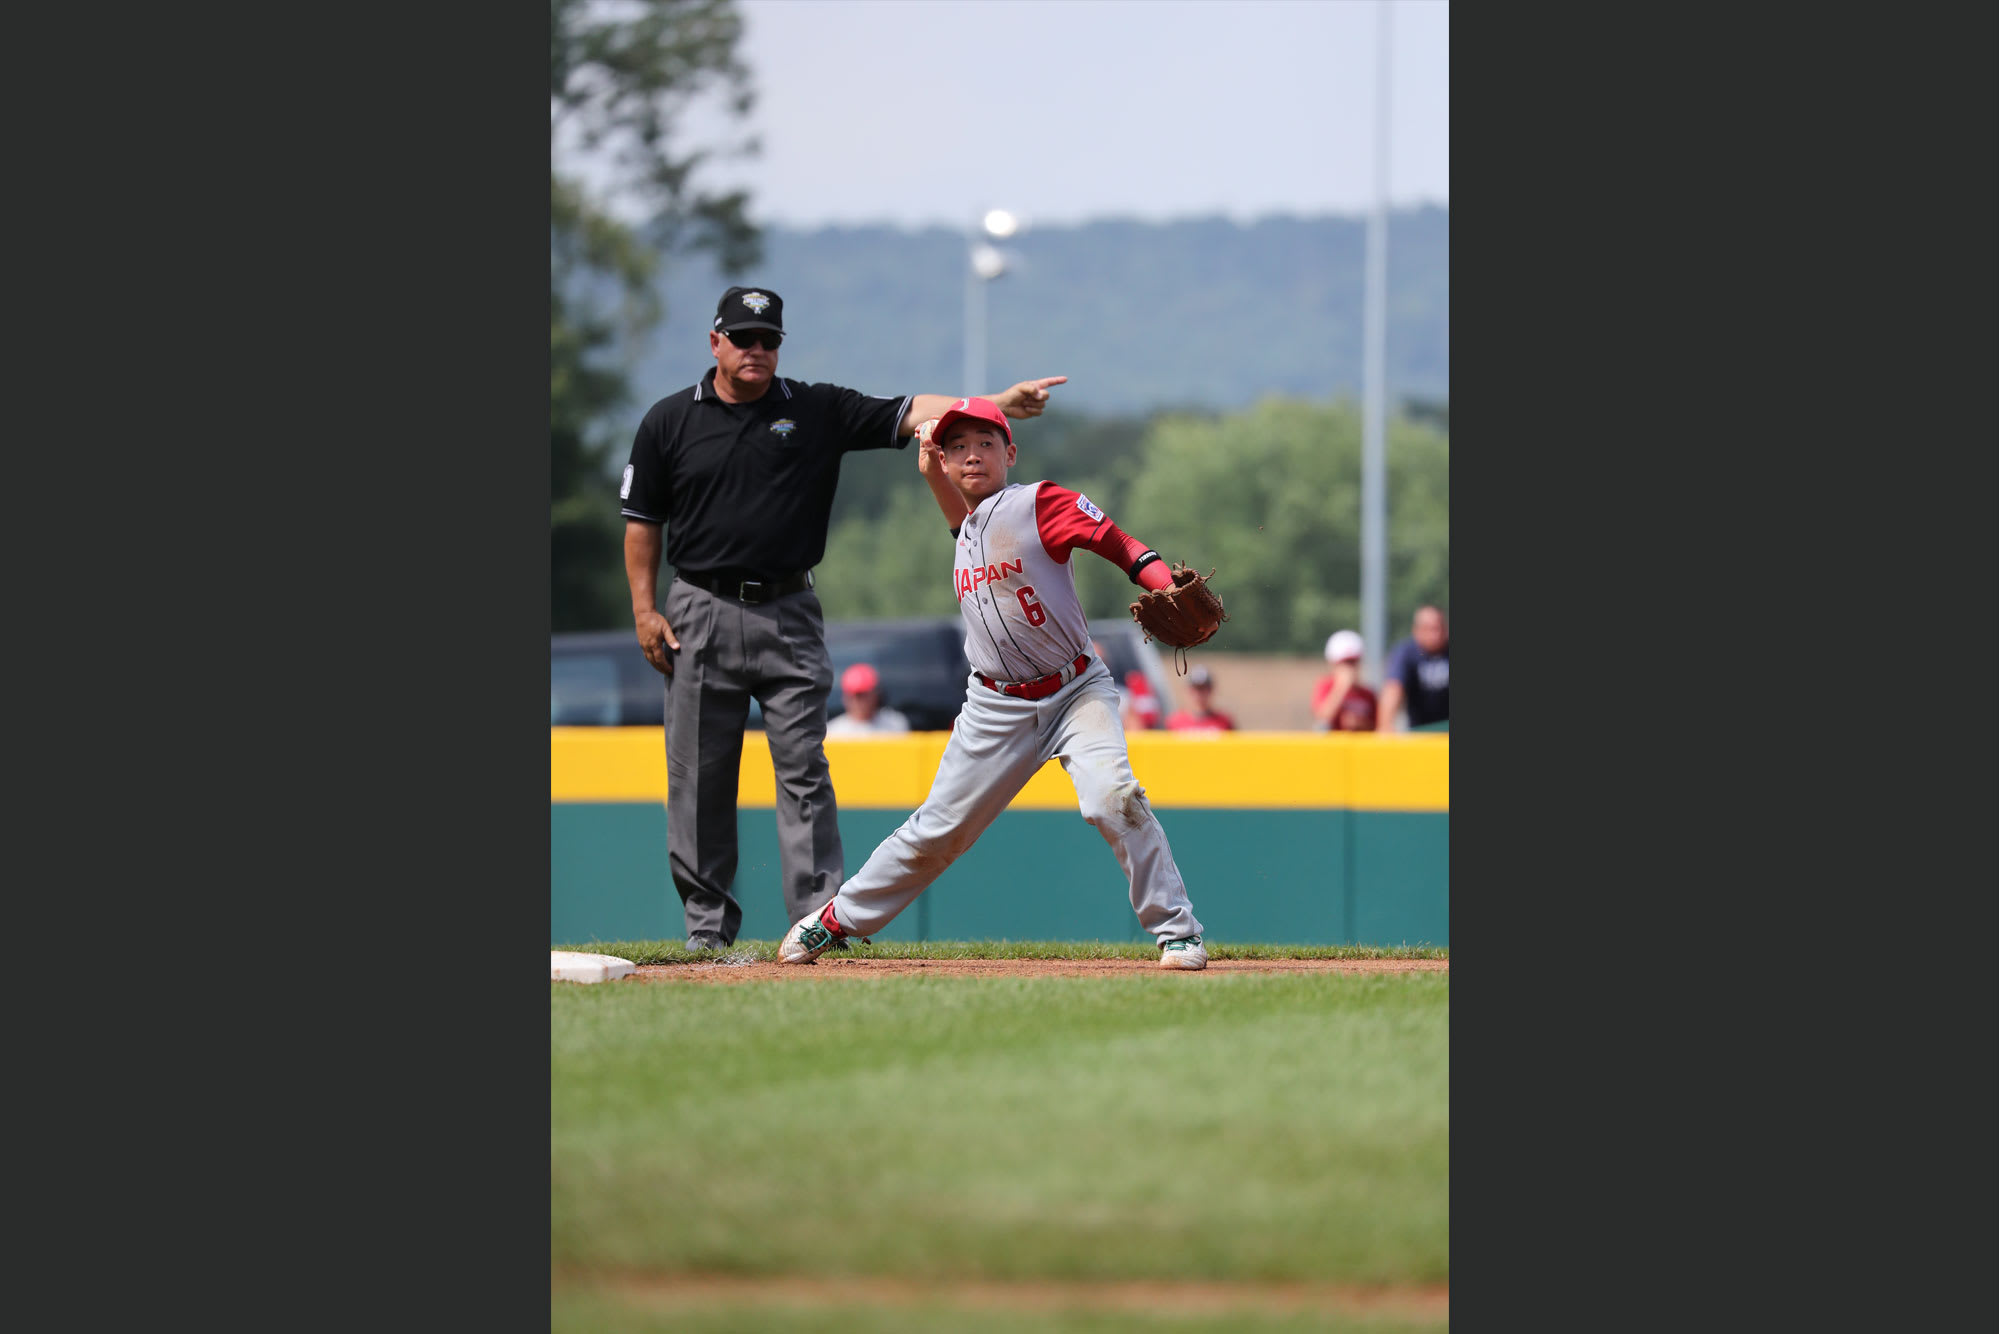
(1067, 520)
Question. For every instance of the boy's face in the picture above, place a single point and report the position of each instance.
(976, 459)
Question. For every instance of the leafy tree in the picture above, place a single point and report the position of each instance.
(1430, 412)
(620, 77)
(896, 562)
(1419, 466)
(888, 552)
(1091, 454)
(1270, 496)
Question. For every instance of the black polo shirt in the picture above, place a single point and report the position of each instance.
(748, 487)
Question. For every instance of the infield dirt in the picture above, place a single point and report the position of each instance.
(1160, 1300)
(750, 971)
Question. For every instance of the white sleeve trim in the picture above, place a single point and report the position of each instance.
(643, 518)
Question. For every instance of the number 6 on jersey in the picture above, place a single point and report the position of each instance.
(1029, 607)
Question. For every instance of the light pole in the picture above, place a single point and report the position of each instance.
(984, 262)
(1374, 490)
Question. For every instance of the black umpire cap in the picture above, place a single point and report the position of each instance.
(750, 308)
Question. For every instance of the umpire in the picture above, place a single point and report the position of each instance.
(740, 469)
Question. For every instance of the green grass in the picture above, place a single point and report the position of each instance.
(1238, 1128)
(766, 951)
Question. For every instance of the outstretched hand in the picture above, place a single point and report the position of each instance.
(927, 451)
(1027, 398)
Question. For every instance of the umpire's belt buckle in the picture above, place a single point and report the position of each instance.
(762, 590)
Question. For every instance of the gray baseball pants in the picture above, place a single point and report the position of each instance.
(996, 746)
(731, 651)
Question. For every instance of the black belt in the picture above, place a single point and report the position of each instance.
(746, 590)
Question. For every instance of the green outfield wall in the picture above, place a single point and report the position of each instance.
(1286, 838)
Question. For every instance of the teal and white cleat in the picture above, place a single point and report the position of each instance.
(1187, 952)
(811, 936)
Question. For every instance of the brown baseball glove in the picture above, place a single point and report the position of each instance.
(1184, 613)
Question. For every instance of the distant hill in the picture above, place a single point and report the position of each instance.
(1141, 316)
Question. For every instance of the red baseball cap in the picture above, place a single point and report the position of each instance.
(973, 409)
(859, 677)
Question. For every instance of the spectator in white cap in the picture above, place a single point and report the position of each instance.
(1340, 702)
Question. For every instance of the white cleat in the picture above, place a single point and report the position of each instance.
(807, 940)
(1188, 953)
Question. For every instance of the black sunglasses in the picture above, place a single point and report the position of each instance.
(767, 338)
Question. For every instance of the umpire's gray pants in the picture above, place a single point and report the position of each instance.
(731, 651)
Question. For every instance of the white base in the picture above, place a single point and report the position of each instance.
(571, 966)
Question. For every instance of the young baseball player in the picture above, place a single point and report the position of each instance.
(1036, 693)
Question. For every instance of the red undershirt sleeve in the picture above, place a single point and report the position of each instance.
(1154, 575)
(1068, 520)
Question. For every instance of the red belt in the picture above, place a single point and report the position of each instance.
(1042, 686)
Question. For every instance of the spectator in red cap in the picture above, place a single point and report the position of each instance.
(1204, 716)
(863, 710)
(1340, 702)
(1138, 706)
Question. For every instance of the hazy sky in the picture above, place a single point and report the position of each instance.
(931, 111)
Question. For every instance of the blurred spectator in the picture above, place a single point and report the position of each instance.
(1124, 695)
(1204, 716)
(861, 698)
(1418, 677)
(1138, 704)
(1340, 702)
(1134, 715)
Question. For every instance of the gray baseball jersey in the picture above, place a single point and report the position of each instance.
(1016, 588)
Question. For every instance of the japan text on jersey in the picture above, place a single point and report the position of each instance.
(1016, 589)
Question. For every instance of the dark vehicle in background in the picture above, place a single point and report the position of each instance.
(921, 662)
(600, 679)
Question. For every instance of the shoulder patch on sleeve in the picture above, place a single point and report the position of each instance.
(625, 487)
(1082, 503)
